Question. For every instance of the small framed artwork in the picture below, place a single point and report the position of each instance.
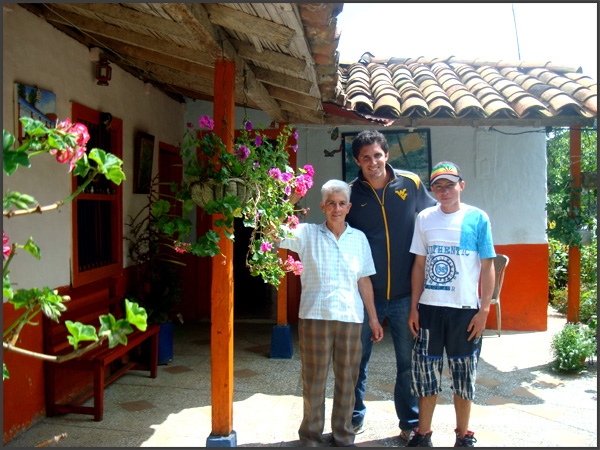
(142, 165)
(30, 101)
(409, 150)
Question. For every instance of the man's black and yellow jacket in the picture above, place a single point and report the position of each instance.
(388, 222)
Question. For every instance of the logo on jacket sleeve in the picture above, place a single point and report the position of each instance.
(402, 194)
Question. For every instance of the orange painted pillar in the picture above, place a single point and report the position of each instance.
(221, 338)
(574, 270)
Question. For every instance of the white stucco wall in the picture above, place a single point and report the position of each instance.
(37, 54)
(505, 174)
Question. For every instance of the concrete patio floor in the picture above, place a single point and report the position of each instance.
(519, 401)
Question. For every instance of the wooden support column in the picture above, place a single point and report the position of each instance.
(221, 338)
(574, 270)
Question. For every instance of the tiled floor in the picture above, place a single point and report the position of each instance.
(519, 401)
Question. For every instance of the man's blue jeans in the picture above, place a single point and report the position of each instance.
(407, 405)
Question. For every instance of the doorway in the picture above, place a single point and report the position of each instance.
(253, 299)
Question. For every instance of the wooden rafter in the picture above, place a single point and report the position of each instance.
(249, 24)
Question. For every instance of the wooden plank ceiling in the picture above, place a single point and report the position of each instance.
(285, 53)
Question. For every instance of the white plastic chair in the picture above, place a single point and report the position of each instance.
(500, 263)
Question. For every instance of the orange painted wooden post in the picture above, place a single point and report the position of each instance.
(574, 271)
(221, 338)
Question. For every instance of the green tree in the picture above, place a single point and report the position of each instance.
(561, 225)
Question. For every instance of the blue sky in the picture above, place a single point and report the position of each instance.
(564, 33)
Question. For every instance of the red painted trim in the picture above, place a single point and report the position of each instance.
(24, 394)
(524, 296)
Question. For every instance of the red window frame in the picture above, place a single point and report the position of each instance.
(80, 113)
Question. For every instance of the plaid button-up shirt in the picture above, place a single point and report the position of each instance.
(331, 272)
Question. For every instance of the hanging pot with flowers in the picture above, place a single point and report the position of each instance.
(254, 182)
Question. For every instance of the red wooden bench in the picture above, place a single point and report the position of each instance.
(106, 364)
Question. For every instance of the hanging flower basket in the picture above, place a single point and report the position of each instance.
(204, 192)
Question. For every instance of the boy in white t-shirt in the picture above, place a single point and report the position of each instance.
(453, 248)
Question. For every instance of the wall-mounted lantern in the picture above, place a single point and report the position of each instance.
(103, 72)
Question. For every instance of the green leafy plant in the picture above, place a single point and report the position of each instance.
(572, 346)
(67, 142)
(157, 286)
(263, 170)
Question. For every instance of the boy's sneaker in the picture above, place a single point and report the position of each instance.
(467, 441)
(420, 440)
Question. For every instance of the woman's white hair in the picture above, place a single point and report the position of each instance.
(335, 186)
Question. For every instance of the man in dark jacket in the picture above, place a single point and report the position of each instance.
(386, 202)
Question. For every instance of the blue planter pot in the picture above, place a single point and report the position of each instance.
(165, 343)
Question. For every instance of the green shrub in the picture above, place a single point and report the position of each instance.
(587, 302)
(572, 346)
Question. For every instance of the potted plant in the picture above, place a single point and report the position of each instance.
(254, 182)
(157, 285)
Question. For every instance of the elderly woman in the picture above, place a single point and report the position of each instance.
(335, 284)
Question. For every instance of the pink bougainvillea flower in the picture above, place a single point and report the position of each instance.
(242, 152)
(302, 185)
(248, 125)
(275, 173)
(265, 247)
(286, 177)
(258, 140)
(6, 249)
(182, 247)
(206, 122)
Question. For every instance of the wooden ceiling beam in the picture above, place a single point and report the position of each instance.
(305, 101)
(269, 57)
(298, 111)
(249, 24)
(127, 15)
(257, 91)
(160, 58)
(194, 18)
(100, 28)
(160, 48)
(174, 77)
(285, 81)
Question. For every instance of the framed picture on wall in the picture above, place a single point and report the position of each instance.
(30, 101)
(409, 150)
(142, 165)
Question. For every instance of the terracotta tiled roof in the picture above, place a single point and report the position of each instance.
(452, 88)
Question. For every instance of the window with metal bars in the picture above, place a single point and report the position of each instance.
(97, 212)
